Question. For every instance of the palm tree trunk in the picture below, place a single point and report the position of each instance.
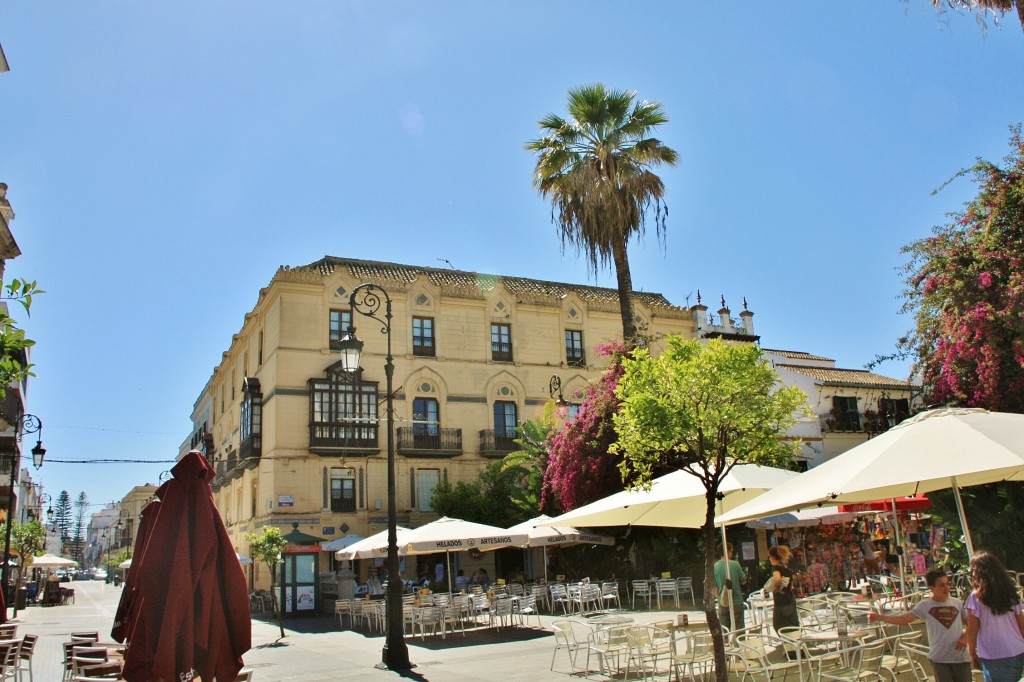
(1020, 12)
(625, 285)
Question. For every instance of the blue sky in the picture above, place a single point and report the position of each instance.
(164, 159)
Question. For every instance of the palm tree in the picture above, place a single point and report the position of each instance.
(999, 7)
(595, 168)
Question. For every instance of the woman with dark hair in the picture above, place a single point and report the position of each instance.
(784, 607)
(995, 622)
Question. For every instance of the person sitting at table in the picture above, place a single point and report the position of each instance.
(461, 581)
(481, 578)
(944, 617)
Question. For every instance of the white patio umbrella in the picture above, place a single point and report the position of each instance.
(447, 535)
(340, 543)
(937, 449)
(550, 536)
(242, 559)
(374, 546)
(677, 500)
(52, 561)
(127, 563)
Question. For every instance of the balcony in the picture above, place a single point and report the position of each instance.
(496, 443)
(331, 439)
(250, 450)
(429, 442)
(858, 422)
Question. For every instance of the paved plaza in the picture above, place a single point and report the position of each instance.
(317, 649)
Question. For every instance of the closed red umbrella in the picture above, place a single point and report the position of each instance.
(124, 617)
(189, 616)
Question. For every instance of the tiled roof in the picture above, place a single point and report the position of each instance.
(462, 281)
(848, 377)
(797, 355)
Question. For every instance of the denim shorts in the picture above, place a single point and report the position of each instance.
(1003, 669)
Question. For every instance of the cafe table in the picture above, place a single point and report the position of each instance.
(852, 637)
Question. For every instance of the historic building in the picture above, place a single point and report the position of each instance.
(296, 440)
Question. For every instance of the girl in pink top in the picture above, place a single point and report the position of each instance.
(995, 623)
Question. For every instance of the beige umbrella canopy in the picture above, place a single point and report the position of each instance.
(127, 563)
(51, 561)
(937, 449)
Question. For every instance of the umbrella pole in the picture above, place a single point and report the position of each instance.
(963, 517)
(899, 547)
(728, 573)
(448, 557)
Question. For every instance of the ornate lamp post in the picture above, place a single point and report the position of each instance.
(366, 299)
(555, 388)
(26, 423)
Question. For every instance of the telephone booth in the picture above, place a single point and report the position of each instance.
(299, 588)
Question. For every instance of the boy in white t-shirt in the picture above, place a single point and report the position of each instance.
(944, 616)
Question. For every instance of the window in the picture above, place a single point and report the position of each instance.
(504, 419)
(572, 411)
(343, 490)
(343, 414)
(894, 410)
(251, 422)
(423, 336)
(341, 322)
(426, 481)
(259, 351)
(844, 412)
(501, 342)
(424, 417)
(574, 356)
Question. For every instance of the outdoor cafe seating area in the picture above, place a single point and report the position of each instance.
(833, 642)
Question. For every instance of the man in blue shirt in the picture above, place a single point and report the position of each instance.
(725, 595)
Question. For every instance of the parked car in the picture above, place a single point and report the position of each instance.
(99, 574)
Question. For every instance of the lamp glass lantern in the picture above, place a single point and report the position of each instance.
(38, 452)
(351, 350)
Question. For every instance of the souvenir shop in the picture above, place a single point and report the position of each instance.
(836, 548)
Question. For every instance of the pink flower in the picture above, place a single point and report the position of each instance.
(985, 279)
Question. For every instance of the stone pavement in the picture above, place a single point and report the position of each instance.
(317, 649)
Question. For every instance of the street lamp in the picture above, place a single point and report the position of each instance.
(26, 423)
(366, 299)
(555, 387)
(112, 530)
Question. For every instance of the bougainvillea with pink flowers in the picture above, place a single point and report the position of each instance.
(580, 468)
(965, 287)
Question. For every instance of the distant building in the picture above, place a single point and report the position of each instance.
(849, 405)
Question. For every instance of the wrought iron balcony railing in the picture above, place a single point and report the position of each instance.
(497, 442)
(431, 441)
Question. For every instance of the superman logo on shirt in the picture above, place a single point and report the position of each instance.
(947, 615)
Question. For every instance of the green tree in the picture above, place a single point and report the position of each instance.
(487, 499)
(78, 535)
(534, 436)
(14, 365)
(62, 517)
(267, 547)
(704, 408)
(596, 169)
(27, 540)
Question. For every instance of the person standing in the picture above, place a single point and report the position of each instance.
(781, 583)
(729, 591)
(995, 622)
(944, 617)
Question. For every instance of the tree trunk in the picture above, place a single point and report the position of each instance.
(625, 286)
(710, 603)
(1020, 12)
(273, 599)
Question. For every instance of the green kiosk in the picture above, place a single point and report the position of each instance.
(300, 578)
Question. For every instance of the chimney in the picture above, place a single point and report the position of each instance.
(699, 313)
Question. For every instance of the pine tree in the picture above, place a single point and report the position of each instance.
(62, 516)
